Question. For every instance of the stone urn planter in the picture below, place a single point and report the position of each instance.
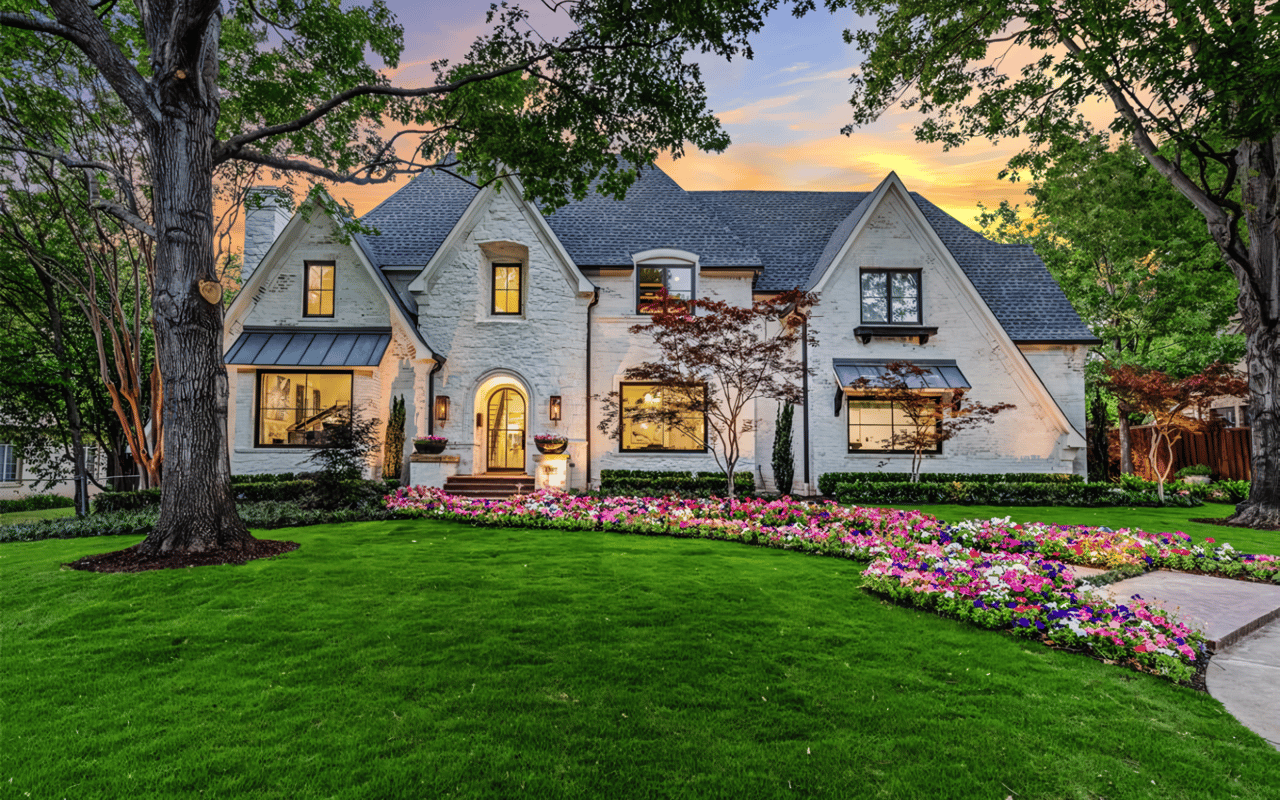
(429, 447)
(551, 447)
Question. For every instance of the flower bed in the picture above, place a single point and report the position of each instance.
(994, 573)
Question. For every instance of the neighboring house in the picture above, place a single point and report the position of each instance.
(16, 482)
(498, 323)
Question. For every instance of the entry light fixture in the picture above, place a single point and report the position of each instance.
(442, 408)
(554, 408)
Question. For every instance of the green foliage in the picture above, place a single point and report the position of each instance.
(1234, 491)
(393, 446)
(828, 481)
(112, 501)
(36, 502)
(784, 464)
(1195, 469)
(1007, 494)
(653, 483)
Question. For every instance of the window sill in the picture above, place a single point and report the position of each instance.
(868, 332)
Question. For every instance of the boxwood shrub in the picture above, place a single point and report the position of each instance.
(652, 483)
(36, 502)
(827, 482)
(1006, 493)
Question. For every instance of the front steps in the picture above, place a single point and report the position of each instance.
(493, 486)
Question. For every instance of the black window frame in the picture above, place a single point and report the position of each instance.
(848, 427)
(332, 291)
(493, 288)
(642, 305)
(622, 422)
(257, 403)
(888, 300)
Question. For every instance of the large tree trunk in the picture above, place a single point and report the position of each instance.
(198, 522)
(1260, 308)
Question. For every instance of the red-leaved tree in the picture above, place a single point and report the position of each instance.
(714, 360)
(1176, 405)
(930, 417)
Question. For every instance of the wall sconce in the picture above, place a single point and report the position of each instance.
(442, 408)
(554, 409)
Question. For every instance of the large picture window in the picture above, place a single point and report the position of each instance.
(873, 424)
(891, 296)
(296, 408)
(663, 419)
(507, 293)
(650, 280)
(318, 300)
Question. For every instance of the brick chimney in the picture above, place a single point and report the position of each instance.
(265, 216)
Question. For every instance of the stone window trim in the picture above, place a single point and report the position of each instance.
(500, 299)
(888, 297)
(855, 444)
(259, 379)
(314, 300)
(650, 449)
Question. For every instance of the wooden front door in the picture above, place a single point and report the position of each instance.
(506, 431)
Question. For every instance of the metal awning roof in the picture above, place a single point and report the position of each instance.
(939, 375)
(296, 347)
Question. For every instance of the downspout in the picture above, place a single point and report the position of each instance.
(595, 298)
(804, 362)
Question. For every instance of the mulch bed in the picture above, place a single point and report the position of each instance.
(132, 559)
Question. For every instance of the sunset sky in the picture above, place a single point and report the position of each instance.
(783, 110)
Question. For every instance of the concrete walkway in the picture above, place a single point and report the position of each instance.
(1241, 620)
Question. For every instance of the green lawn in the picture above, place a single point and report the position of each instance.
(14, 517)
(424, 660)
(1148, 519)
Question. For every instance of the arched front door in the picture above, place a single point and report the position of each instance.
(506, 423)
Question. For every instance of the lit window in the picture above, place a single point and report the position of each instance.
(295, 408)
(890, 296)
(8, 463)
(319, 293)
(506, 288)
(663, 419)
(874, 424)
(678, 281)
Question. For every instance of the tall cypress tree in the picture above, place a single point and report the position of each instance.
(784, 466)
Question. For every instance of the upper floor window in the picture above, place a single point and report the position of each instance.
(891, 296)
(650, 280)
(318, 300)
(507, 289)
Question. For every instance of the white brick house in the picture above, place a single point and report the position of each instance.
(498, 323)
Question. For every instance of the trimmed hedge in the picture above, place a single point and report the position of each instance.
(827, 482)
(1007, 494)
(111, 501)
(258, 489)
(236, 480)
(651, 483)
(36, 502)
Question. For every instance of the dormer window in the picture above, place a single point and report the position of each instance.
(890, 297)
(317, 300)
(507, 289)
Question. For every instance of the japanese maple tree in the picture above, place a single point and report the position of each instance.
(932, 417)
(1176, 405)
(715, 360)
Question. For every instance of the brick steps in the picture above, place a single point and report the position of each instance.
(488, 487)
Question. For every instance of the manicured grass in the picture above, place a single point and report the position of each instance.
(423, 659)
(1155, 520)
(14, 517)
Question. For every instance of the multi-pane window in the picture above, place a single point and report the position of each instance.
(318, 301)
(8, 463)
(890, 296)
(296, 408)
(506, 288)
(650, 280)
(878, 426)
(663, 418)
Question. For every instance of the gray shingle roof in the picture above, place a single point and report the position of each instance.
(792, 237)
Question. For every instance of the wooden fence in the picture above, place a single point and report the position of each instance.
(1224, 450)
